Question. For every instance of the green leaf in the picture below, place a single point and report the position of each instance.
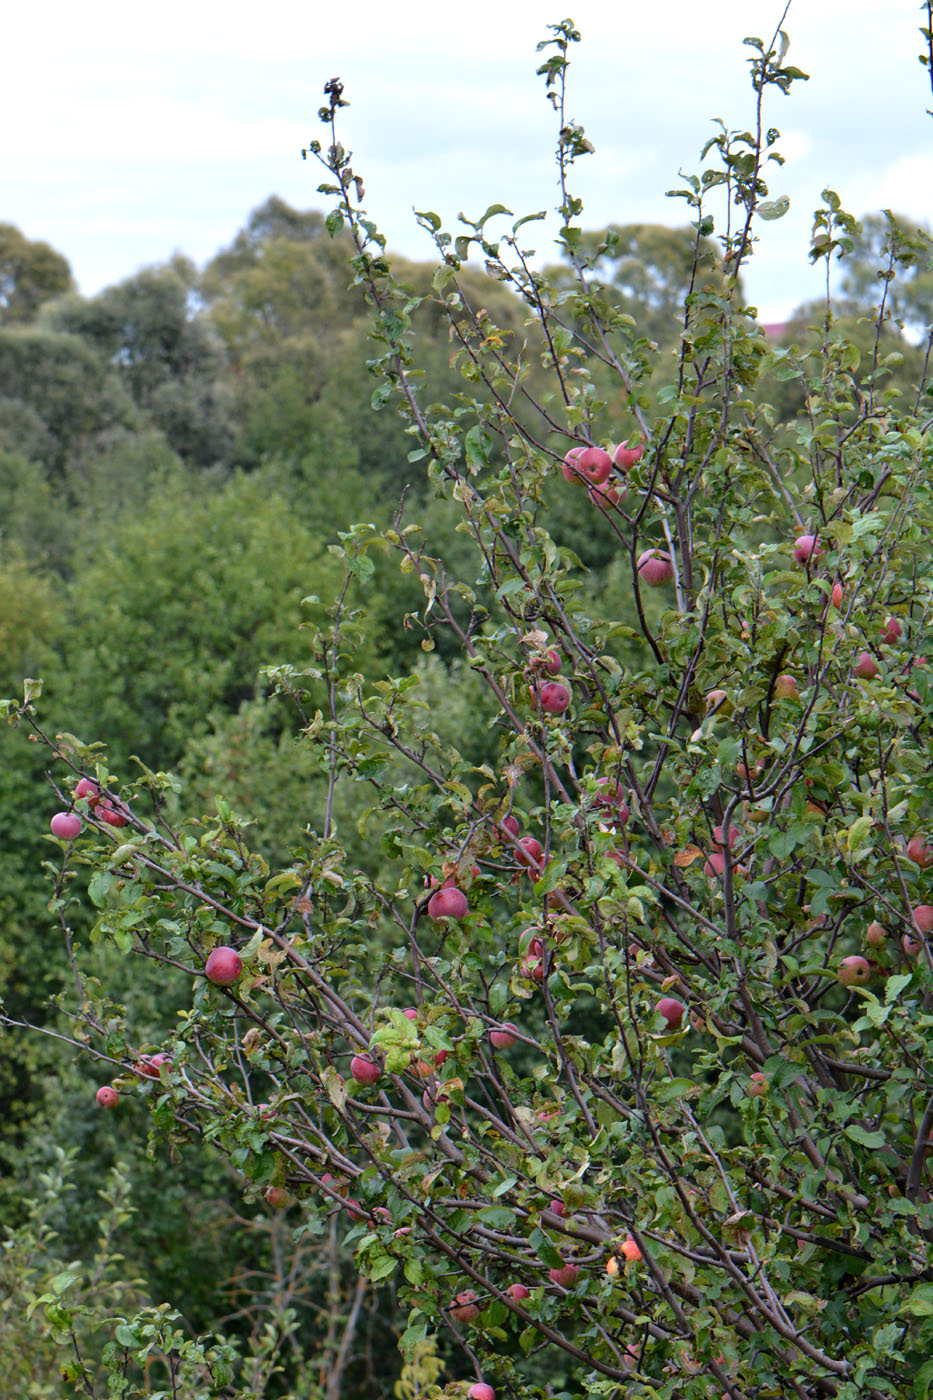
(895, 985)
(382, 1268)
(774, 208)
(863, 1137)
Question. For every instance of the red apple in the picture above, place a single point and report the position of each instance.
(557, 1208)
(672, 1010)
(410, 1013)
(595, 464)
(552, 662)
(66, 825)
(427, 1067)
(570, 466)
(277, 1196)
(511, 825)
(806, 547)
(553, 697)
(223, 966)
(530, 854)
(517, 1291)
(714, 865)
(364, 1071)
(481, 1391)
(919, 852)
(150, 1066)
(504, 1037)
(922, 915)
(465, 1309)
(107, 1096)
(624, 456)
(758, 1085)
(448, 903)
(110, 814)
(912, 946)
(566, 1275)
(612, 799)
(608, 493)
(630, 1251)
(88, 789)
(532, 968)
(892, 631)
(734, 835)
(837, 595)
(854, 971)
(866, 667)
(875, 935)
(655, 567)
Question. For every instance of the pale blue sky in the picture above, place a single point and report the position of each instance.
(134, 131)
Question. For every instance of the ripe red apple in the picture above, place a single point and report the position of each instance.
(630, 1251)
(88, 789)
(517, 1291)
(364, 1071)
(875, 935)
(806, 547)
(529, 944)
(912, 946)
(410, 1013)
(149, 1067)
(655, 567)
(223, 966)
(107, 1096)
(785, 688)
(714, 865)
(609, 493)
(892, 631)
(66, 825)
(511, 825)
(672, 1010)
(611, 799)
(612, 1266)
(919, 852)
(427, 1067)
(277, 1196)
(532, 968)
(448, 903)
(566, 1275)
(553, 697)
(595, 464)
(570, 468)
(922, 915)
(854, 971)
(110, 814)
(734, 835)
(624, 456)
(481, 1391)
(504, 1037)
(837, 594)
(530, 854)
(866, 667)
(758, 1085)
(552, 662)
(557, 1207)
(465, 1309)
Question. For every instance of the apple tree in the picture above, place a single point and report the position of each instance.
(611, 1056)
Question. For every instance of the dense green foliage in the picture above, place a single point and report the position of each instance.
(304, 642)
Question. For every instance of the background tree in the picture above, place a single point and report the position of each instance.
(31, 273)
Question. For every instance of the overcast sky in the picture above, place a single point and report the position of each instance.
(133, 131)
